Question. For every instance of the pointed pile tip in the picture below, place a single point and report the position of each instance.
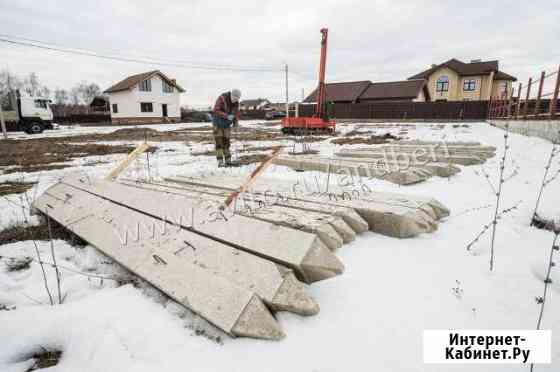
(257, 322)
(320, 263)
(292, 297)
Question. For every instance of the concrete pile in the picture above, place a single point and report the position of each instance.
(421, 154)
(396, 171)
(402, 163)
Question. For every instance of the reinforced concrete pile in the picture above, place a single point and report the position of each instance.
(403, 163)
(233, 266)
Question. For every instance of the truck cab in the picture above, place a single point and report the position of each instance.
(29, 114)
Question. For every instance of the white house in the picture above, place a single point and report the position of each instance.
(150, 97)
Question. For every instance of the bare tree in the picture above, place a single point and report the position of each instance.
(61, 96)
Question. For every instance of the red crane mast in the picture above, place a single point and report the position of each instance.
(319, 123)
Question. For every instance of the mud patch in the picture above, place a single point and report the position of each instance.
(22, 232)
(36, 155)
(45, 359)
(15, 187)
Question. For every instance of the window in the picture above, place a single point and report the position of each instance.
(39, 103)
(115, 108)
(442, 84)
(167, 88)
(146, 86)
(469, 85)
(146, 107)
(503, 89)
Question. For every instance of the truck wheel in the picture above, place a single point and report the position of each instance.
(34, 128)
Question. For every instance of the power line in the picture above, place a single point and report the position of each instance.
(34, 44)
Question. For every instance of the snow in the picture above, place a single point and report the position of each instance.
(372, 317)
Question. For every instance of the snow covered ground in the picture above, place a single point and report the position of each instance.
(372, 317)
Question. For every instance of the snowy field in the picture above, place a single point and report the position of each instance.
(372, 317)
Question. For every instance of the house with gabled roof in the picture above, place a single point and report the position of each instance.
(149, 97)
(366, 91)
(455, 80)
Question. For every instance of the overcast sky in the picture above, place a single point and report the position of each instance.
(374, 40)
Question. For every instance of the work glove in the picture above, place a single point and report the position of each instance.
(230, 117)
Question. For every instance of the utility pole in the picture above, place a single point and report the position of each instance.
(287, 95)
(302, 94)
(2, 122)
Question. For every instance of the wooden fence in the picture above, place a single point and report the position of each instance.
(461, 110)
(538, 99)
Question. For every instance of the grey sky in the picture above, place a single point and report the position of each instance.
(368, 40)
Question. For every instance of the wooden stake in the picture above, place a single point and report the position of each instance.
(143, 147)
(517, 110)
(538, 103)
(2, 122)
(254, 175)
(554, 101)
(526, 105)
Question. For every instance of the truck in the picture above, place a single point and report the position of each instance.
(29, 114)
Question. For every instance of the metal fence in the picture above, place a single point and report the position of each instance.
(538, 99)
(402, 110)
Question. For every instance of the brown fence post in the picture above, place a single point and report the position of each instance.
(554, 101)
(538, 102)
(526, 105)
(509, 103)
(518, 100)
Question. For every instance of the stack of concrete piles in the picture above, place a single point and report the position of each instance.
(232, 266)
(232, 272)
(391, 214)
(402, 163)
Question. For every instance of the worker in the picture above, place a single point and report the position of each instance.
(224, 116)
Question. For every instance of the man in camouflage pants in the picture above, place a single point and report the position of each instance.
(225, 115)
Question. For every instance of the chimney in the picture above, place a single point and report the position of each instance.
(434, 65)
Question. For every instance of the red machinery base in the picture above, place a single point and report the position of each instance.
(301, 125)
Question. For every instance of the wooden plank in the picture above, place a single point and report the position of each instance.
(235, 310)
(139, 150)
(253, 176)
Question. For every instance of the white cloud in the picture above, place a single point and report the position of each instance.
(376, 40)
